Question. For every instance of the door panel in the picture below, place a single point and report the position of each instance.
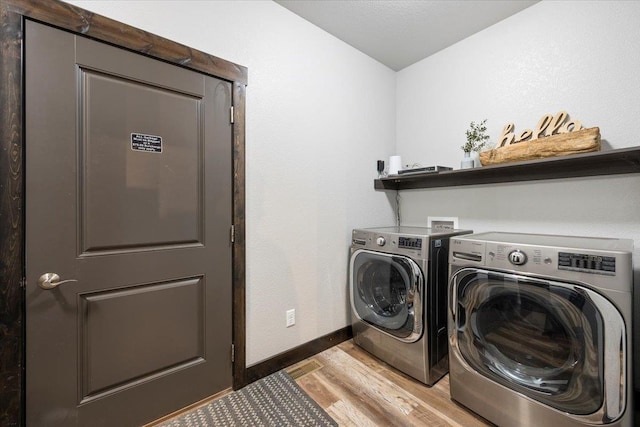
(128, 193)
(121, 344)
(155, 197)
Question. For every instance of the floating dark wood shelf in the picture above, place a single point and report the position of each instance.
(611, 162)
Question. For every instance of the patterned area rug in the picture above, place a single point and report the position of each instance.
(273, 401)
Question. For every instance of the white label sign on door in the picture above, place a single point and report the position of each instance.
(148, 143)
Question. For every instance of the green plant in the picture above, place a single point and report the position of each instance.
(476, 137)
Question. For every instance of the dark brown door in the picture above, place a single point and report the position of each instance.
(128, 213)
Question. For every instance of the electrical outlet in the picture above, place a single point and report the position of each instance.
(291, 317)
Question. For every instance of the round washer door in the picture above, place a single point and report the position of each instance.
(386, 291)
(561, 344)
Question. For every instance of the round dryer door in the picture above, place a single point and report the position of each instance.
(386, 292)
(561, 344)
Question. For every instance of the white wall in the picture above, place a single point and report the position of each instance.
(578, 56)
(319, 113)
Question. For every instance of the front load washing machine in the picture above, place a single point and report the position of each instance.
(398, 293)
(540, 329)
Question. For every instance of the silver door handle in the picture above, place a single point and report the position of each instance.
(52, 280)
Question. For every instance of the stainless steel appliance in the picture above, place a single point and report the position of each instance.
(398, 292)
(540, 329)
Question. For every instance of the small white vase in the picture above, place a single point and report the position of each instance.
(476, 159)
(467, 162)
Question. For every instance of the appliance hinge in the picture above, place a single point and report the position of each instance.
(231, 112)
(233, 353)
(233, 233)
(23, 283)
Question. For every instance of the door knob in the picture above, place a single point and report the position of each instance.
(51, 280)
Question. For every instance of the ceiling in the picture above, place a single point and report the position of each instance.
(399, 33)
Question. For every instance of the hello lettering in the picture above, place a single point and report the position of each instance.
(547, 125)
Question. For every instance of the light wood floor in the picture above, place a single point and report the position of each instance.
(357, 389)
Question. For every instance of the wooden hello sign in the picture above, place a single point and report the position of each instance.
(547, 125)
(554, 135)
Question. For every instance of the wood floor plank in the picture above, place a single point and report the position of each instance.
(371, 384)
(303, 368)
(348, 415)
(397, 408)
(341, 409)
(436, 397)
(318, 389)
(357, 389)
(354, 396)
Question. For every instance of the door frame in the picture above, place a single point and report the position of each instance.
(73, 19)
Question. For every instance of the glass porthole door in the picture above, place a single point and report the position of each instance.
(561, 344)
(386, 292)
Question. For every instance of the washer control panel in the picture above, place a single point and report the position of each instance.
(410, 242)
(394, 243)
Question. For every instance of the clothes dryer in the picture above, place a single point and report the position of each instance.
(398, 293)
(540, 329)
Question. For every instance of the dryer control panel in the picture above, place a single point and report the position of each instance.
(602, 262)
(538, 259)
(587, 263)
